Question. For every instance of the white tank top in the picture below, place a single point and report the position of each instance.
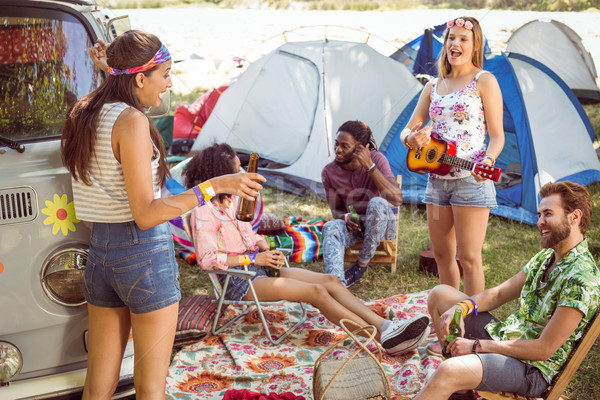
(106, 199)
(458, 117)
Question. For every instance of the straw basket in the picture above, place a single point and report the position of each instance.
(360, 377)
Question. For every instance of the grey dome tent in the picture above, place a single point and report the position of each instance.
(559, 48)
(288, 105)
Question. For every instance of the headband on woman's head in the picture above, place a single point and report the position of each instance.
(460, 23)
(160, 57)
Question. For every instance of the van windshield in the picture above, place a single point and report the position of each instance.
(44, 69)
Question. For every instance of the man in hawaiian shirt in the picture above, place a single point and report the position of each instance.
(558, 292)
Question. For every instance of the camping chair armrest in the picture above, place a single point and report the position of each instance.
(234, 272)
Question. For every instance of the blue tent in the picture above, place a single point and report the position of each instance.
(548, 135)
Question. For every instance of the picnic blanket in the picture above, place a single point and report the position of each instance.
(243, 358)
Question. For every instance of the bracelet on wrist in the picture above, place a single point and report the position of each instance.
(371, 168)
(405, 141)
(244, 259)
(346, 216)
(207, 190)
(464, 307)
(476, 344)
(253, 257)
(474, 307)
(199, 195)
(491, 159)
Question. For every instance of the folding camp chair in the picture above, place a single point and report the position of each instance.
(220, 291)
(562, 379)
(387, 251)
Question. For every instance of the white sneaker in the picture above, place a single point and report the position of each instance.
(405, 335)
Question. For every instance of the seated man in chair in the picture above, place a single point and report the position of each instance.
(558, 291)
(223, 242)
(360, 177)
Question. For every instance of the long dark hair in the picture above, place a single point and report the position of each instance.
(360, 132)
(215, 160)
(130, 49)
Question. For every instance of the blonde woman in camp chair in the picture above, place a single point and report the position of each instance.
(223, 242)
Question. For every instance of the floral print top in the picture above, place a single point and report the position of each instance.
(458, 118)
(218, 233)
(574, 282)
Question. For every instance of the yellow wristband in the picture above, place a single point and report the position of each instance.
(244, 259)
(207, 190)
(465, 309)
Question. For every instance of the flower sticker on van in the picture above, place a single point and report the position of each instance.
(61, 215)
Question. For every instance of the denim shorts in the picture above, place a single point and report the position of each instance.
(503, 373)
(131, 267)
(460, 192)
(238, 287)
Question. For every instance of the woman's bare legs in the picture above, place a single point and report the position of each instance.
(108, 332)
(471, 226)
(153, 335)
(323, 291)
(462, 228)
(440, 222)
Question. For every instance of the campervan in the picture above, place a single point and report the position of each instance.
(44, 69)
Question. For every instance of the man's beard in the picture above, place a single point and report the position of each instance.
(557, 235)
(343, 162)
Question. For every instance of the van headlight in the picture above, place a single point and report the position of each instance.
(11, 362)
(62, 276)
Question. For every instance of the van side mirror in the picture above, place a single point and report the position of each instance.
(116, 26)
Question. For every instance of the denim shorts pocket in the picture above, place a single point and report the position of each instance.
(135, 282)
(469, 190)
(88, 274)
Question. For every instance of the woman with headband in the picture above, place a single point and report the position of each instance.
(464, 104)
(116, 158)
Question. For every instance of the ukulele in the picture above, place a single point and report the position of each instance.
(439, 156)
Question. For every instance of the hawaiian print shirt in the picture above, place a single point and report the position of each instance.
(458, 118)
(574, 282)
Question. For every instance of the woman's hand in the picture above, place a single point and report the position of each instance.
(98, 55)
(478, 177)
(242, 184)
(418, 138)
(270, 258)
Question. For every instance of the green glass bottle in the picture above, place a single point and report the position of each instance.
(273, 272)
(355, 217)
(455, 332)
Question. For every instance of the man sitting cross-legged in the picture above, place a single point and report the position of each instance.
(360, 177)
(558, 292)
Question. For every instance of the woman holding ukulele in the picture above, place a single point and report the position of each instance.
(464, 103)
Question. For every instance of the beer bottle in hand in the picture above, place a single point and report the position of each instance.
(354, 217)
(245, 209)
(273, 272)
(455, 332)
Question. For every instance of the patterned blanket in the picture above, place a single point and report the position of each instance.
(243, 358)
